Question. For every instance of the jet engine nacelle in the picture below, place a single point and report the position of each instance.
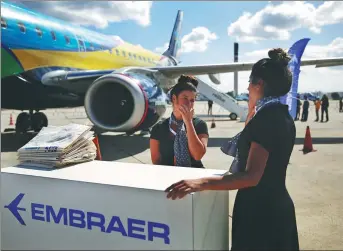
(215, 78)
(125, 102)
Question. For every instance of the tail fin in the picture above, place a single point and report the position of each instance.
(174, 43)
(296, 52)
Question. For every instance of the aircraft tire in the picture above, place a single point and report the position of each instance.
(39, 120)
(23, 122)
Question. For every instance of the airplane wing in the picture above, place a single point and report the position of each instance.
(174, 71)
(59, 76)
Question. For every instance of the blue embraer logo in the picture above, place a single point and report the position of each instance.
(135, 228)
(13, 207)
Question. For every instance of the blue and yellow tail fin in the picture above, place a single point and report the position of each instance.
(175, 42)
(296, 52)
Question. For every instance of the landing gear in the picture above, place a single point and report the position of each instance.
(23, 122)
(38, 121)
(26, 121)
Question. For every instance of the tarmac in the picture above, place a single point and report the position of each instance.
(314, 180)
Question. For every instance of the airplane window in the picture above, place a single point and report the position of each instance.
(144, 59)
(22, 27)
(39, 32)
(67, 39)
(81, 43)
(130, 55)
(140, 58)
(124, 54)
(134, 56)
(117, 51)
(3, 23)
(91, 46)
(53, 35)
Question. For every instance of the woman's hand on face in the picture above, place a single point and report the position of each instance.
(182, 188)
(187, 113)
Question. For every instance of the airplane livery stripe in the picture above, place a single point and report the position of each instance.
(31, 59)
(12, 65)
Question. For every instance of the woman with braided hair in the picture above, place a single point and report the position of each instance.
(264, 214)
(180, 140)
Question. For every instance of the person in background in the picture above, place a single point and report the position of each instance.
(297, 117)
(180, 140)
(325, 108)
(263, 215)
(306, 106)
(317, 105)
(341, 104)
(210, 104)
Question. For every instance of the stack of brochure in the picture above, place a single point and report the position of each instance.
(58, 146)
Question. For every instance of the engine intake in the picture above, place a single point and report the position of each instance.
(116, 102)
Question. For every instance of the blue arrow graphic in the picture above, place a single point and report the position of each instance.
(13, 207)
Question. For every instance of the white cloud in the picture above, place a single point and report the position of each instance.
(334, 49)
(94, 13)
(162, 49)
(277, 20)
(196, 41)
(118, 39)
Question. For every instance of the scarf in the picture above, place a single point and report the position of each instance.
(230, 148)
(181, 152)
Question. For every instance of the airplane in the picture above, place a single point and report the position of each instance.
(50, 63)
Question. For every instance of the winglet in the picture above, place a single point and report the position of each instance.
(174, 43)
(296, 52)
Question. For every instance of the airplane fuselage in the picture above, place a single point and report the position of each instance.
(33, 45)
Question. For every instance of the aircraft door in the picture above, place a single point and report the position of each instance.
(81, 43)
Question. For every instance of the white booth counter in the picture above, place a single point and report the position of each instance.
(103, 205)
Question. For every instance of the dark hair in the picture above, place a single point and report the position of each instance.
(184, 83)
(274, 72)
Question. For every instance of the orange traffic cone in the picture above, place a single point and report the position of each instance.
(308, 142)
(98, 153)
(11, 120)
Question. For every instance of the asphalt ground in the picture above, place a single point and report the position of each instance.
(314, 180)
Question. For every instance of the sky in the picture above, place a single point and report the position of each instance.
(210, 29)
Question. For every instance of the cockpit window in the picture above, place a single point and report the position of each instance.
(53, 35)
(3, 23)
(22, 27)
(67, 39)
(39, 32)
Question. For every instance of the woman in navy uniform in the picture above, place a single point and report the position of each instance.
(264, 214)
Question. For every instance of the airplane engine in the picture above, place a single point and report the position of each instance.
(125, 102)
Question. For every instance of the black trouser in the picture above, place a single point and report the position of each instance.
(317, 114)
(304, 115)
(325, 109)
(209, 110)
(298, 114)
